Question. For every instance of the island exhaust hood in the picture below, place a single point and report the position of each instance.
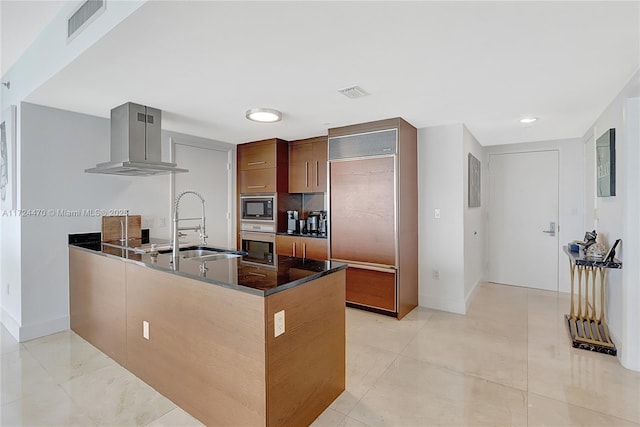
(135, 143)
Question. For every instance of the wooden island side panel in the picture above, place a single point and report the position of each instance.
(206, 350)
(306, 364)
(97, 301)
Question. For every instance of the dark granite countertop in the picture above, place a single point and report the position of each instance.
(233, 273)
(579, 258)
(311, 235)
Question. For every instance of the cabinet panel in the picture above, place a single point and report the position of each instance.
(308, 165)
(302, 247)
(287, 245)
(319, 160)
(299, 168)
(257, 181)
(257, 155)
(371, 288)
(314, 248)
(97, 293)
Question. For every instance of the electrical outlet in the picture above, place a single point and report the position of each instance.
(278, 323)
(145, 329)
(436, 275)
(436, 213)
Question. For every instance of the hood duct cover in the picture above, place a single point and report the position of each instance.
(136, 143)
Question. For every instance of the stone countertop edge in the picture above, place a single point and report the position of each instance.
(264, 293)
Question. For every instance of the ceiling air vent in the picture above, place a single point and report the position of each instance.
(82, 17)
(354, 92)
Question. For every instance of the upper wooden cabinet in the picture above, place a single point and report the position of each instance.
(262, 166)
(308, 165)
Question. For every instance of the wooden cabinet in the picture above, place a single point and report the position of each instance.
(308, 165)
(302, 247)
(97, 301)
(371, 288)
(263, 166)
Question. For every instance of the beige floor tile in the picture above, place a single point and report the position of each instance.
(364, 366)
(20, 376)
(548, 412)
(383, 332)
(586, 379)
(415, 393)
(456, 342)
(65, 355)
(329, 418)
(176, 418)
(49, 405)
(114, 396)
(8, 343)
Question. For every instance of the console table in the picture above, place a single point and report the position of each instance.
(586, 321)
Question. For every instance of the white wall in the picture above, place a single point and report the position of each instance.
(441, 241)
(474, 233)
(56, 147)
(571, 203)
(51, 48)
(613, 214)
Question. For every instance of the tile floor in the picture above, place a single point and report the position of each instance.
(508, 362)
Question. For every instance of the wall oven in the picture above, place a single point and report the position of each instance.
(260, 247)
(258, 212)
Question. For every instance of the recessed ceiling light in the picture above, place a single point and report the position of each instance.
(528, 120)
(264, 115)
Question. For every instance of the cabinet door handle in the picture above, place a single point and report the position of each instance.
(257, 274)
(317, 173)
(256, 186)
(256, 163)
(306, 174)
(304, 250)
(294, 248)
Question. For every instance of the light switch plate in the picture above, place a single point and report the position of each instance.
(436, 213)
(278, 323)
(145, 329)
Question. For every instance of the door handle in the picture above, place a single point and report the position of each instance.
(552, 229)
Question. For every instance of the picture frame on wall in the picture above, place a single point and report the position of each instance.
(8, 158)
(474, 173)
(606, 164)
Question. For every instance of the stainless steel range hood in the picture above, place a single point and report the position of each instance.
(135, 143)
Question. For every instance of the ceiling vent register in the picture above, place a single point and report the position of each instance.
(81, 17)
(354, 92)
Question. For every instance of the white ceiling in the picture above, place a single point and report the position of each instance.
(485, 64)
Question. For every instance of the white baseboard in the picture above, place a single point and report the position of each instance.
(443, 304)
(37, 330)
(471, 295)
(11, 324)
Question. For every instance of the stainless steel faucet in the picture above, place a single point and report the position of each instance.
(176, 229)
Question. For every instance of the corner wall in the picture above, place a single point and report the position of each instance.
(441, 186)
(617, 217)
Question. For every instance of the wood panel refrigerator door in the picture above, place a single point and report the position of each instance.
(363, 210)
(523, 193)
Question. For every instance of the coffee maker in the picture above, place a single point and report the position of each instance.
(292, 221)
(322, 223)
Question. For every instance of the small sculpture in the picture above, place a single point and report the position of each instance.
(589, 239)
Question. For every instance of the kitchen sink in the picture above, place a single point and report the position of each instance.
(198, 253)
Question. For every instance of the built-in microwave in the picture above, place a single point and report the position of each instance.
(260, 247)
(258, 212)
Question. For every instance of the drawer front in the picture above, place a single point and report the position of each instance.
(314, 248)
(371, 288)
(260, 155)
(257, 181)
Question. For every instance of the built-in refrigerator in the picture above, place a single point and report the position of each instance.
(373, 204)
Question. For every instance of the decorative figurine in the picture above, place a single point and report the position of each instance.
(589, 239)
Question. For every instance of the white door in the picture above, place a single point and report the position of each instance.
(208, 175)
(523, 201)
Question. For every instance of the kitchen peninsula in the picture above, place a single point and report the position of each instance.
(230, 342)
